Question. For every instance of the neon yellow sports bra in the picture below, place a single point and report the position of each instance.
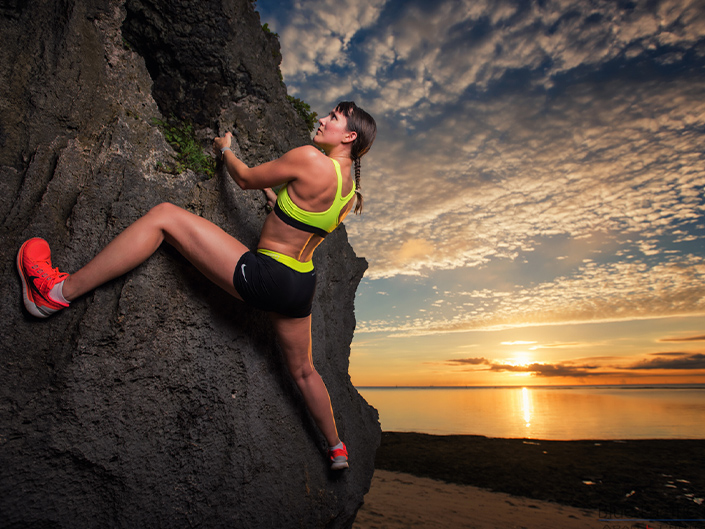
(320, 223)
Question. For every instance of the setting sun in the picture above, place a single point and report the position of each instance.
(521, 359)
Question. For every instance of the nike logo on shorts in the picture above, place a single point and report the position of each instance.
(242, 269)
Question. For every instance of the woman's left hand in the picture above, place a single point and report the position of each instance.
(271, 197)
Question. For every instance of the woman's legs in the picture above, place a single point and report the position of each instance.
(215, 254)
(294, 336)
(205, 245)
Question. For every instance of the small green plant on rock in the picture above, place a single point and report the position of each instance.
(265, 28)
(304, 110)
(190, 154)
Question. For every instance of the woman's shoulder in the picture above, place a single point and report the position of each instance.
(309, 160)
(306, 153)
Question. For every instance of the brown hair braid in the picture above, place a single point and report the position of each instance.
(358, 193)
(364, 125)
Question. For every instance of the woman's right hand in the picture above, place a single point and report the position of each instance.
(221, 143)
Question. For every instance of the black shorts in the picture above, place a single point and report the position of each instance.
(269, 285)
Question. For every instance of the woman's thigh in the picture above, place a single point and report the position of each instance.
(209, 248)
(294, 336)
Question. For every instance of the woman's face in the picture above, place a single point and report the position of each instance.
(332, 130)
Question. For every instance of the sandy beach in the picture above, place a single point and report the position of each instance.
(397, 501)
(477, 482)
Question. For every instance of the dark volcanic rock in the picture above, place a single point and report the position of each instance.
(157, 400)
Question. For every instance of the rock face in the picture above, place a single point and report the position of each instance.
(157, 400)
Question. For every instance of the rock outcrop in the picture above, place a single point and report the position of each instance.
(157, 400)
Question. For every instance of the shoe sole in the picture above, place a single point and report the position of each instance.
(28, 303)
(339, 465)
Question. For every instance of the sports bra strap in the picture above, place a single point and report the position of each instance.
(296, 223)
(319, 222)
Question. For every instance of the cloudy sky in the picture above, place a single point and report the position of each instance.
(534, 201)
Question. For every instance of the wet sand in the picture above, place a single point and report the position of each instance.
(398, 501)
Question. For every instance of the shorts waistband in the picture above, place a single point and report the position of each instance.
(288, 261)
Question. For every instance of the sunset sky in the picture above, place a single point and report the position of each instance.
(534, 201)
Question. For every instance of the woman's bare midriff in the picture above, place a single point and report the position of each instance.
(280, 237)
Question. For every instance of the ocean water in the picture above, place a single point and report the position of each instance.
(551, 413)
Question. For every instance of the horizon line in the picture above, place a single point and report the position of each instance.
(529, 386)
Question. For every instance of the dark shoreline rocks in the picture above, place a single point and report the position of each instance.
(659, 478)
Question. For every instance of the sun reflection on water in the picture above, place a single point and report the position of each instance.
(527, 406)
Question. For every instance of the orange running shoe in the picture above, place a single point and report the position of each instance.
(338, 457)
(38, 278)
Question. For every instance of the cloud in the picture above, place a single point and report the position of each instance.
(562, 345)
(545, 177)
(673, 361)
(547, 154)
(697, 338)
(413, 249)
(594, 292)
(468, 361)
(316, 34)
(551, 370)
(620, 184)
(536, 369)
(417, 53)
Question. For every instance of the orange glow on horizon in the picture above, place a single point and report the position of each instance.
(668, 351)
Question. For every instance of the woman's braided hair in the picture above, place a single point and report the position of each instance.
(364, 125)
